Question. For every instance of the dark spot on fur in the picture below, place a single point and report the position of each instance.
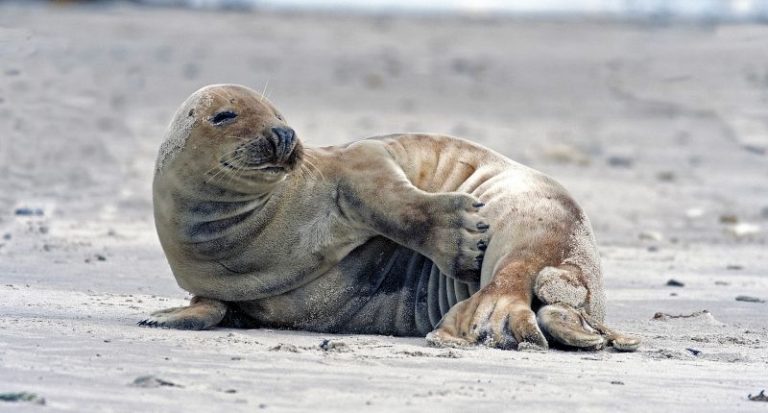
(483, 336)
(191, 112)
(237, 318)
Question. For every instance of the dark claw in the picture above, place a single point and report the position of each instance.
(481, 245)
(482, 226)
(478, 205)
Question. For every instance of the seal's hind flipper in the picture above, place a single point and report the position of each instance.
(617, 340)
(563, 316)
(201, 314)
(575, 328)
(566, 326)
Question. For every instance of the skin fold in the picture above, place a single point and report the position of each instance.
(409, 234)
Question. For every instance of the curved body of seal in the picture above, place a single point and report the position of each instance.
(403, 234)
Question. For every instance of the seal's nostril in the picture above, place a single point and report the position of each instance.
(284, 139)
(285, 135)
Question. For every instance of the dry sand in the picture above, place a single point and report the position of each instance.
(660, 132)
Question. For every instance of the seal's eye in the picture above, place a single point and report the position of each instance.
(222, 117)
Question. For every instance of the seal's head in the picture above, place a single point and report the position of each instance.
(230, 135)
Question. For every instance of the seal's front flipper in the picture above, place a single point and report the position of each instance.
(202, 313)
(446, 227)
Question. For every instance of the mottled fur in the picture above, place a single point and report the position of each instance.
(383, 235)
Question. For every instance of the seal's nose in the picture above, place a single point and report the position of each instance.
(284, 143)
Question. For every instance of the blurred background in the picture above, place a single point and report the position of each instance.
(652, 112)
(720, 10)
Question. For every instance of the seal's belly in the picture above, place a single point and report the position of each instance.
(384, 288)
(379, 288)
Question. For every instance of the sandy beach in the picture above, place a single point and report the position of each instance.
(659, 131)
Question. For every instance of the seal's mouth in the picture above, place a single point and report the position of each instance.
(273, 154)
(270, 169)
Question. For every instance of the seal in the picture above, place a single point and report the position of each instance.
(406, 235)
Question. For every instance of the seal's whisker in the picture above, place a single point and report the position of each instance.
(308, 160)
(309, 155)
(236, 151)
(306, 173)
(238, 170)
(313, 171)
(218, 168)
(215, 176)
(263, 92)
(222, 159)
(311, 165)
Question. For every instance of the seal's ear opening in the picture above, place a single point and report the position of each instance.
(222, 117)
